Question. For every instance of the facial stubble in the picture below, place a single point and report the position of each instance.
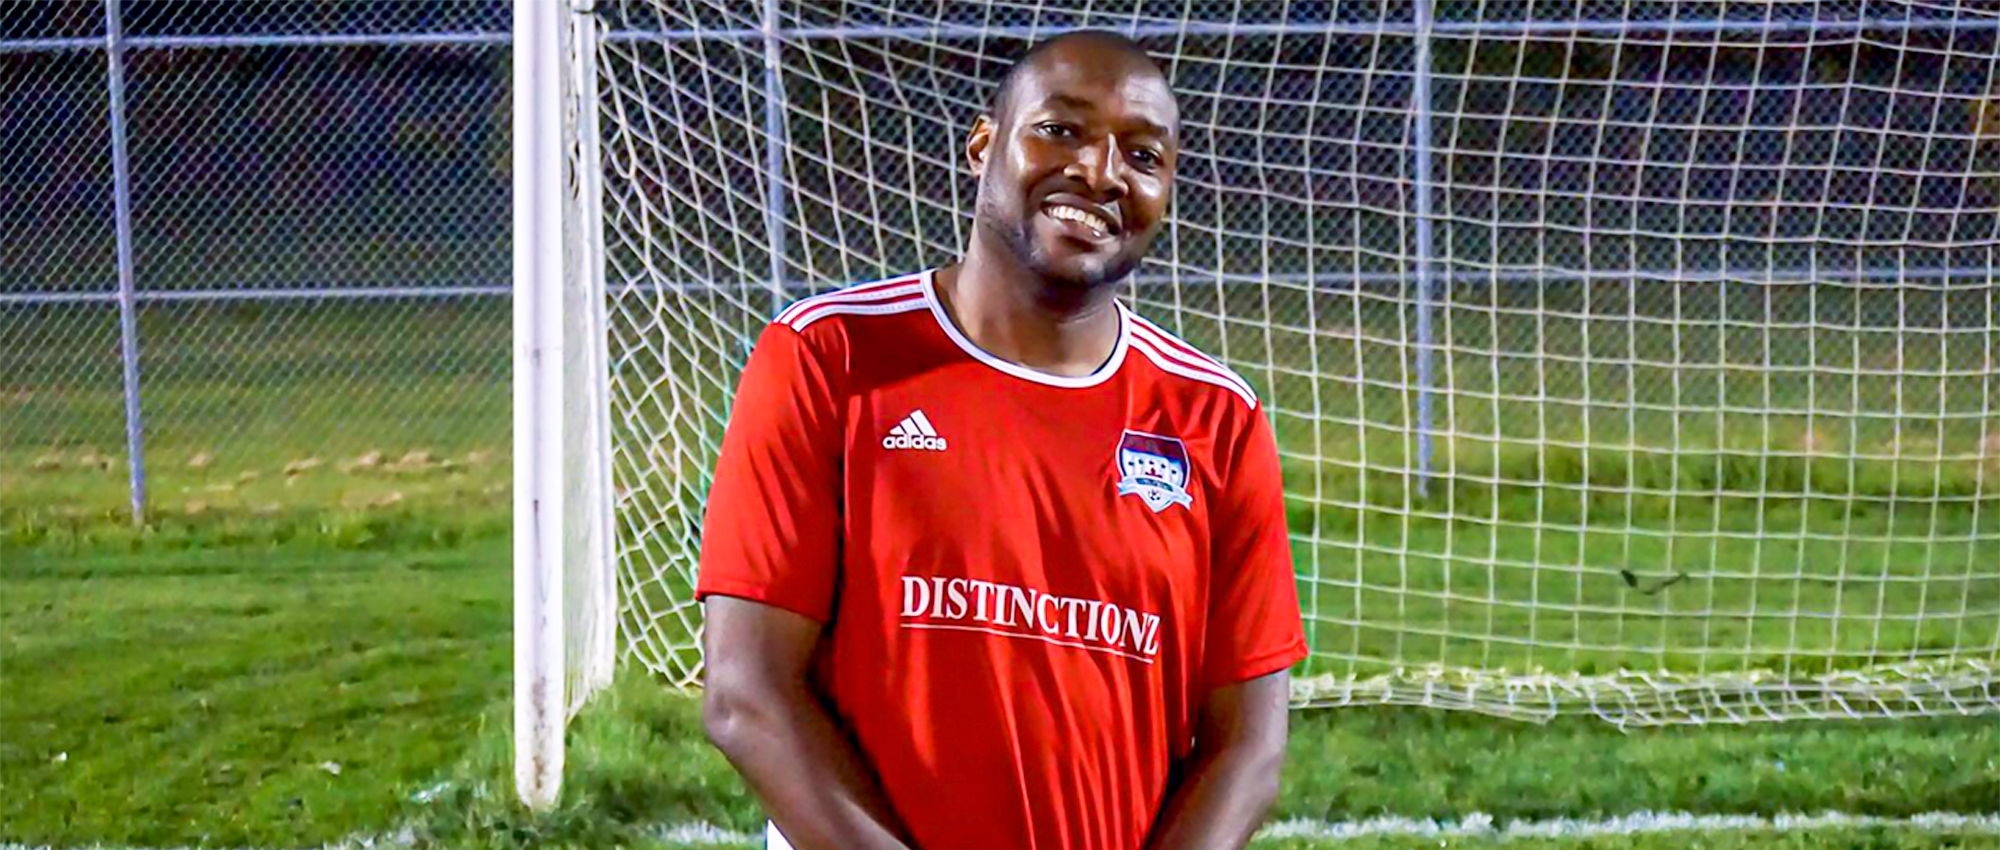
(1014, 232)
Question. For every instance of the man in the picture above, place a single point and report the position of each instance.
(990, 561)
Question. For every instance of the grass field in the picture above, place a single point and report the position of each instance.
(259, 694)
(285, 694)
(309, 638)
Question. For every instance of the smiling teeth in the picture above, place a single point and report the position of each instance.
(1079, 216)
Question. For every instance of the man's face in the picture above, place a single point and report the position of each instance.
(1076, 177)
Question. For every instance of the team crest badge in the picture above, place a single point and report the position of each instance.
(1154, 468)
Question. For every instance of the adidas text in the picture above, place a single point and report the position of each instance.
(914, 432)
(903, 441)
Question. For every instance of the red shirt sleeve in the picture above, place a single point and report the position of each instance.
(772, 532)
(1253, 603)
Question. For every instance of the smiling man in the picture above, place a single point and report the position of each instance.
(989, 560)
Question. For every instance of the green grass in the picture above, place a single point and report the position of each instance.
(1344, 765)
(198, 694)
(322, 579)
(240, 695)
(256, 409)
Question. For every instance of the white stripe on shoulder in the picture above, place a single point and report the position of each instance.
(846, 291)
(870, 308)
(858, 292)
(1168, 364)
(848, 296)
(1186, 355)
(1162, 346)
(1181, 348)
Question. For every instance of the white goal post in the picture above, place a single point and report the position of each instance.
(564, 591)
(1636, 360)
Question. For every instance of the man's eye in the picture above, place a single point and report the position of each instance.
(1145, 156)
(1057, 131)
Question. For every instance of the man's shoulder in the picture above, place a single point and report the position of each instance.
(1183, 368)
(893, 296)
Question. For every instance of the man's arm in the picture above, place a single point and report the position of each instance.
(761, 713)
(1232, 775)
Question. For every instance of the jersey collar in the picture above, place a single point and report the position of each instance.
(1102, 374)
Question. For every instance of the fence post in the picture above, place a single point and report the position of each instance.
(774, 153)
(128, 321)
(1426, 345)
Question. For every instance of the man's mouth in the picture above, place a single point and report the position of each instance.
(1089, 222)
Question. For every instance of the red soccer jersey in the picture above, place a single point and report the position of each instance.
(1030, 581)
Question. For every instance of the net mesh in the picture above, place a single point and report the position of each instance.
(1635, 359)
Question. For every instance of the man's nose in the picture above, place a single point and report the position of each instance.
(1100, 166)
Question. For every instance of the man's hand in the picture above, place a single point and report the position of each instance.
(761, 713)
(1232, 776)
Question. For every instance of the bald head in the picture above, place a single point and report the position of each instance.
(1102, 45)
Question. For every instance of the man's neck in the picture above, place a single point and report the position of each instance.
(1010, 312)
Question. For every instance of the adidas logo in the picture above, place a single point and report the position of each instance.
(914, 432)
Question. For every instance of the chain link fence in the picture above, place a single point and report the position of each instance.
(247, 249)
(314, 271)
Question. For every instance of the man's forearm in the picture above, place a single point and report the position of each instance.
(811, 782)
(1220, 802)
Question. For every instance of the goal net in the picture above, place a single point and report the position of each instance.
(1632, 359)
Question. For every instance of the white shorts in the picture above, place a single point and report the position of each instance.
(774, 839)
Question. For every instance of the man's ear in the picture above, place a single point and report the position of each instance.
(978, 143)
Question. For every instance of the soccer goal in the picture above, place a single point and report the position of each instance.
(1632, 359)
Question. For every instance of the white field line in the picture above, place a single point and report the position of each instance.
(1478, 825)
(1482, 825)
